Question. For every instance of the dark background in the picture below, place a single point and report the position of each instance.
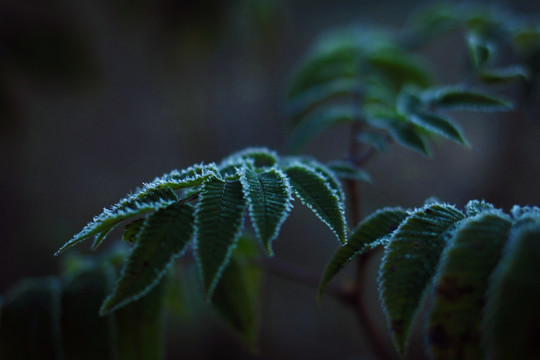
(97, 97)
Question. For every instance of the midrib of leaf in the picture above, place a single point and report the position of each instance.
(215, 242)
(320, 196)
(163, 236)
(409, 263)
(275, 205)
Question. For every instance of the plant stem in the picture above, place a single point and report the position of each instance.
(366, 323)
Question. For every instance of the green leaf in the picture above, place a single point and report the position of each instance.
(269, 198)
(328, 175)
(236, 295)
(431, 21)
(132, 230)
(519, 212)
(260, 156)
(480, 49)
(317, 123)
(218, 221)
(152, 196)
(310, 99)
(402, 132)
(346, 170)
(163, 236)
(503, 75)
(30, 324)
(141, 326)
(332, 58)
(439, 125)
(399, 67)
(453, 328)
(320, 195)
(369, 234)
(409, 263)
(408, 101)
(139, 203)
(511, 314)
(377, 140)
(459, 98)
(86, 335)
(475, 207)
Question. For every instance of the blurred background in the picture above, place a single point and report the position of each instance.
(97, 97)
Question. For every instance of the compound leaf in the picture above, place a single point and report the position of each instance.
(367, 235)
(511, 315)
(31, 320)
(163, 236)
(321, 194)
(409, 263)
(218, 221)
(453, 328)
(269, 198)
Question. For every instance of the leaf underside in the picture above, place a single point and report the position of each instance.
(409, 263)
(453, 327)
(163, 236)
(218, 221)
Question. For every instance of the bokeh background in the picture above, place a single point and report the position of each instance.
(97, 97)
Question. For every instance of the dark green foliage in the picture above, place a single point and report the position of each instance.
(86, 335)
(255, 178)
(269, 196)
(162, 237)
(30, 323)
(453, 327)
(371, 232)
(218, 220)
(313, 190)
(512, 317)
(141, 326)
(481, 267)
(344, 170)
(409, 263)
(236, 296)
